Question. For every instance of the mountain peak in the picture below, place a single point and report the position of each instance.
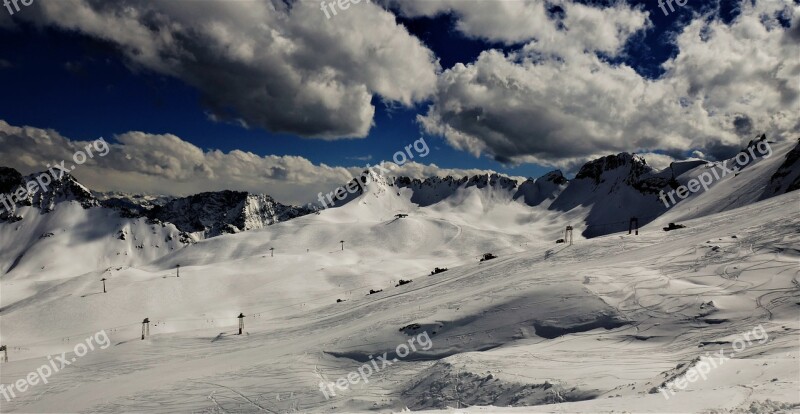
(555, 177)
(546, 187)
(631, 165)
(49, 189)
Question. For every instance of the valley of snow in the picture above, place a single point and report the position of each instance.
(596, 326)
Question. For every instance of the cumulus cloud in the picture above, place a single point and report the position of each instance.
(273, 64)
(166, 164)
(557, 100)
(557, 26)
(555, 95)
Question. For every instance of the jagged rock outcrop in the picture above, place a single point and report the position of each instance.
(425, 192)
(47, 193)
(131, 205)
(225, 212)
(435, 189)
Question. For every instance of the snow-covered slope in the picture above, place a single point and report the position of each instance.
(760, 179)
(787, 177)
(600, 200)
(67, 231)
(63, 232)
(604, 195)
(592, 327)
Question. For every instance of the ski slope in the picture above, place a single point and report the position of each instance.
(591, 327)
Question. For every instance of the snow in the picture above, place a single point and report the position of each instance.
(545, 327)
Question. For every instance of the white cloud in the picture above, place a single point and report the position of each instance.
(554, 101)
(520, 21)
(267, 63)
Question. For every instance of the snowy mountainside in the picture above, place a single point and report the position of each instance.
(72, 240)
(115, 230)
(787, 177)
(604, 194)
(65, 231)
(592, 327)
(432, 190)
(543, 190)
(612, 189)
(602, 197)
(760, 179)
(516, 330)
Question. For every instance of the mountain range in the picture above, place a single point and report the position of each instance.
(607, 188)
(601, 199)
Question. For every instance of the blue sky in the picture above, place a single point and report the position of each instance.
(82, 85)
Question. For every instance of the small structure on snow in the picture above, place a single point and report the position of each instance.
(568, 235)
(634, 225)
(673, 226)
(145, 328)
(241, 322)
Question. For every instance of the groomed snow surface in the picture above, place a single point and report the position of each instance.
(593, 327)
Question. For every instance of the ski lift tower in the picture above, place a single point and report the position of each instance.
(634, 225)
(568, 235)
(241, 322)
(145, 328)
